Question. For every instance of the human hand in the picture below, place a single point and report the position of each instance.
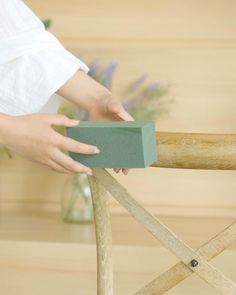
(108, 108)
(33, 137)
(93, 97)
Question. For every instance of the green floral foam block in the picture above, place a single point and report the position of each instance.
(122, 144)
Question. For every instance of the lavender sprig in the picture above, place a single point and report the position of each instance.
(136, 84)
(143, 101)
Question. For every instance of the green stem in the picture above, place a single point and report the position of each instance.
(75, 195)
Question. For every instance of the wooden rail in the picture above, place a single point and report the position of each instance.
(196, 151)
(174, 150)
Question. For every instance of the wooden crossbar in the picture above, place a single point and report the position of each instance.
(175, 150)
(196, 151)
(181, 250)
(180, 272)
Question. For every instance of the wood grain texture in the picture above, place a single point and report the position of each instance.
(28, 268)
(196, 151)
(179, 272)
(142, 20)
(103, 238)
(38, 226)
(185, 253)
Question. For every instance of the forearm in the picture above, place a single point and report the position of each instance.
(5, 121)
(83, 91)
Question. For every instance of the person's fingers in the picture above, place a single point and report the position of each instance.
(69, 144)
(113, 107)
(125, 116)
(62, 120)
(118, 110)
(58, 168)
(125, 171)
(68, 163)
(121, 113)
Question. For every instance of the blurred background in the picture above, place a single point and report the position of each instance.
(184, 49)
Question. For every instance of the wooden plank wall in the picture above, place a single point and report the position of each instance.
(189, 44)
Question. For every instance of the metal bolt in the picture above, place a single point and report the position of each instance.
(194, 263)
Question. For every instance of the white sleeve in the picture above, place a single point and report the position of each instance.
(33, 63)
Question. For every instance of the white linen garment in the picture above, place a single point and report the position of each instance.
(33, 63)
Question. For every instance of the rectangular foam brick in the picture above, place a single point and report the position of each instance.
(122, 144)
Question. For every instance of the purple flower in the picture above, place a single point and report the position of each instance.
(130, 103)
(107, 75)
(151, 88)
(134, 86)
(94, 69)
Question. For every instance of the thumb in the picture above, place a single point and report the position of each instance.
(125, 116)
(118, 110)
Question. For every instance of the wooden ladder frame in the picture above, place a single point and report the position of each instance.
(175, 150)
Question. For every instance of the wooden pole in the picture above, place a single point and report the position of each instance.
(103, 238)
(196, 151)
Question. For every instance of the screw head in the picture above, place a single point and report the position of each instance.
(194, 263)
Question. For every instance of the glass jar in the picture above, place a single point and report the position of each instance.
(76, 203)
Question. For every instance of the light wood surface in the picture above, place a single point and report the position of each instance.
(39, 226)
(60, 268)
(57, 257)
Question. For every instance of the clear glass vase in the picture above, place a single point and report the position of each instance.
(76, 203)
